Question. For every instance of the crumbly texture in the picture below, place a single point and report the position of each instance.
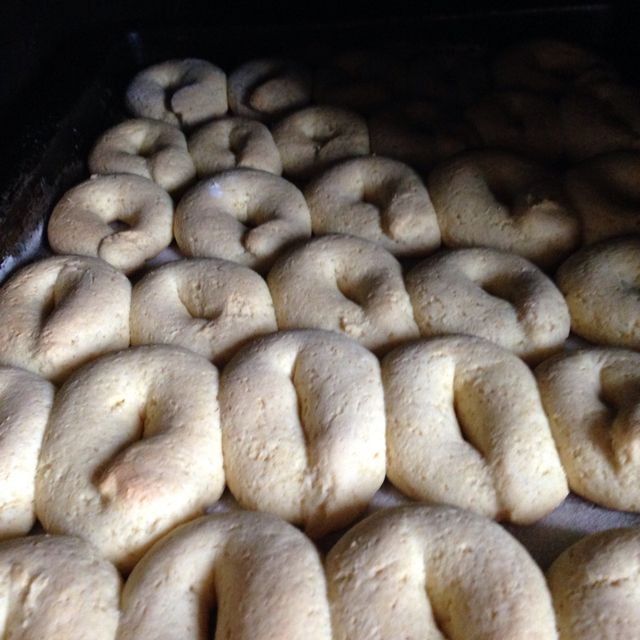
(303, 428)
(591, 398)
(243, 215)
(600, 284)
(57, 587)
(59, 313)
(378, 199)
(128, 454)
(267, 88)
(314, 138)
(181, 92)
(81, 221)
(233, 142)
(595, 587)
(148, 148)
(604, 192)
(465, 426)
(263, 577)
(423, 572)
(492, 294)
(343, 284)
(25, 403)
(501, 200)
(211, 307)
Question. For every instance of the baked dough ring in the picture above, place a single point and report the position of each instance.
(57, 588)
(594, 585)
(262, 574)
(343, 284)
(181, 92)
(58, 313)
(549, 66)
(605, 118)
(234, 142)
(266, 88)
(501, 200)
(592, 399)
(600, 284)
(99, 480)
(429, 573)
(491, 294)
(316, 137)
(147, 148)
(505, 466)
(521, 121)
(81, 222)
(243, 215)
(303, 428)
(377, 199)
(210, 307)
(25, 403)
(605, 193)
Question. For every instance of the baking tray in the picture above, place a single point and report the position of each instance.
(50, 140)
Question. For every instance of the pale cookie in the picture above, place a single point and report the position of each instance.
(25, 403)
(211, 307)
(234, 142)
(314, 138)
(596, 588)
(132, 449)
(343, 284)
(465, 426)
(378, 199)
(147, 148)
(267, 88)
(430, 573)
(59, 313)
(592, 399)
(600, 284)
(501, 200)
(57, 588)
(605, 193)
(181, 92)
(303, 426)
(491, 294)
(123, 219)
(261, 576)
(243, 215)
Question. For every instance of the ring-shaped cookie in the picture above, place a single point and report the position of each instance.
(128, 454)
(378, 199)
(600, 284)
(465, 426)
(302, 416)
(57, 587)
(25, 403)
(262, 576)
(58, 313)
(595, 586)
(345, 284)
(243, 215)
(266, 88)
(233, 142)
(147, 148)
(314, 138)
(433, 572)
(211, 307)
(181, 92)
(606, 195)
(502, 200)
(89, 219)
(592, 399)
(497, 296)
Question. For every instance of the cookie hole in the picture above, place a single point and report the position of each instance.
(47, 309)
(462, 425)
(211, 623)
(196, 305)
(117, 226)
(352, 291)
(501, 288)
